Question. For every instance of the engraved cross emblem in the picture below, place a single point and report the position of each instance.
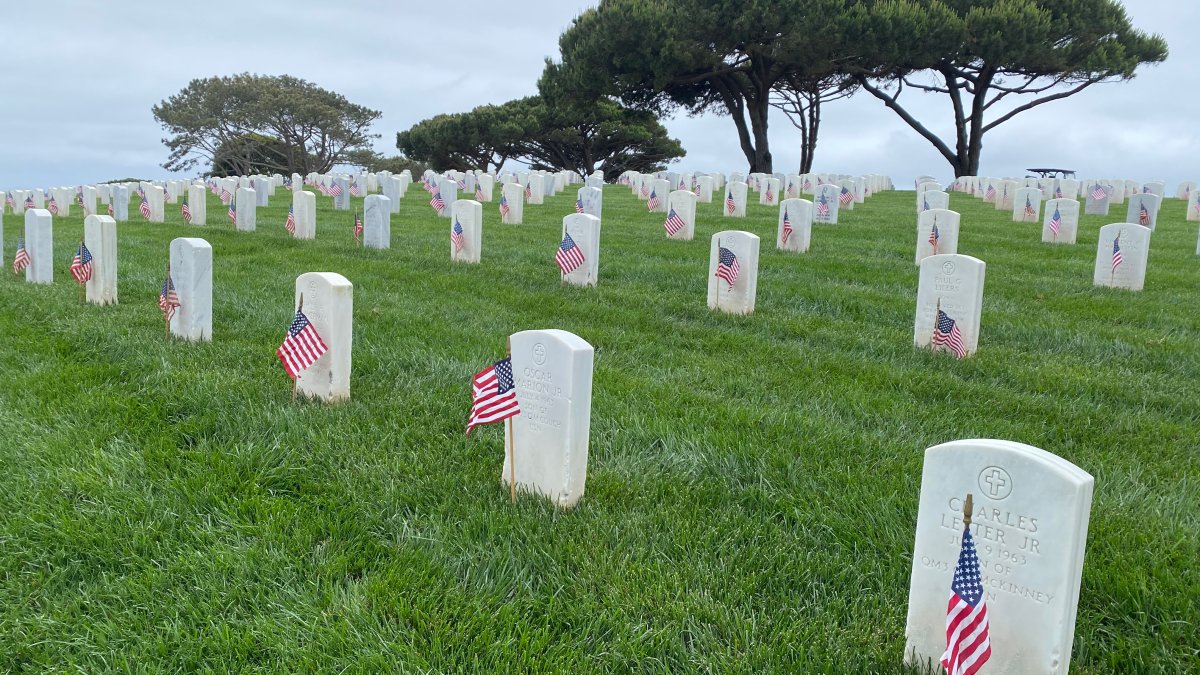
(995, 482)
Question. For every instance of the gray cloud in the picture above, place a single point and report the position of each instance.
(79, 89)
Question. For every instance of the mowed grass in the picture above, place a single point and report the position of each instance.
(752, 485)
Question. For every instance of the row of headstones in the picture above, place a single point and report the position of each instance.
(1097, 194)
(829, 198)
(772, 188)
(1030, 520)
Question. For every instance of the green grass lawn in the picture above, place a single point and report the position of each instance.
(753, 481)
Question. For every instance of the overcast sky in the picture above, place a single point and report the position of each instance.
(80, 82)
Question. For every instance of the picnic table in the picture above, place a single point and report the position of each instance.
(1053, 173)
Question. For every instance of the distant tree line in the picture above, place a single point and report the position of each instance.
(626, 63)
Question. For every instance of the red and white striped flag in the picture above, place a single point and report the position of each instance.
(569, 256)
(968, 640)
(186, 211)
(728, 267)
(81, 264)
(578, 206)
(21, 260)
(652, 203)
(673, 223)
(494, 395)
(845, 197)
(302, 346)
(946, 334)
(456, 236)
(290, 223)
(168, 299)
(52, 206)
(144, 208)
(504, 208)
(787, 228)
(358, 226)
(437, 202)
(233, 211)
(730, 205)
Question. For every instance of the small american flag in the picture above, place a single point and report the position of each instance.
(1117, 258)
(935, 237)
(673, 223)
(290, 223)
(79, 200)
(226, 195)
(1146, 190)
(529, 191)
(233, 211)
(479, 192)
(358, 226)
(355, 190)
(302, 346)
(1058, 192)
(462, 183)
(1098, 192)
(186, 210)
(652, 203)
(730, 205)
(968, 643)
(925, 204)
(727, 266)
(822, 206)
(645, 189)
(168, 299)
(335, 190)
(991, 192)
(787, 228)
(8, 201)
(504, 209)
(21, 260)
(1030, 212)
(946, 334)
(1056, 222)
(845, 197)
(437, 202)
(794, 190)
(111, 212)
(807, 184)
(144, 208)
(770, 195)
(569, 256)
(29, 202)
(494, 395)
(81, 264)
(456, 236)
(1143, 215)
(578, 206)
(52, 207)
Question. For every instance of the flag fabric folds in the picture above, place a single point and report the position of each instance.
(569, 256)
(168, 299)
(968, 641)
(81, 264)
(302, 346)
(727, 266)
(494, 395)
(21, 258)
(947, 335)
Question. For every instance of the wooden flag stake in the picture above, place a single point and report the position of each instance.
(82, 286)
(511, 441)
(167, 319)
(296, 379)
(968, 506)
(936, 310)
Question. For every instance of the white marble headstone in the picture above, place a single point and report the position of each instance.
(247, 204)
(329, 306)
(739, 297)
(377, 222)
(585, 231)
(514, 195)
(1095, 204)
(798, 215)
(100, 237)
(1029, 523)
(953, 284)
(592, 199)
(704, 184)
(342, 201)
(1064, 212)
(683, 202)
(661, 189)
(736, 190)
(39, 243)
(1132, 242)
(468, 215)
(552, 374)
(770, 196)
(1143, 209)
(304, 209)
(946, 241)
(448, 187)
(1027, 205)
(825, 205)
(191, 272)
(933, 199)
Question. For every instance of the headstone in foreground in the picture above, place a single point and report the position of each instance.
(39, 243)
(552, 374)
(467, 217)
(733, 272)
(191, 272)
(377, 225)
(794, 230)
(1121, 256)
(1029, 523)
(950, 289)
(1061, 221)
(329, 306)
(100, 237)
(584, 230)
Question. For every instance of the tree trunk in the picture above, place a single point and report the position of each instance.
(758, 110)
